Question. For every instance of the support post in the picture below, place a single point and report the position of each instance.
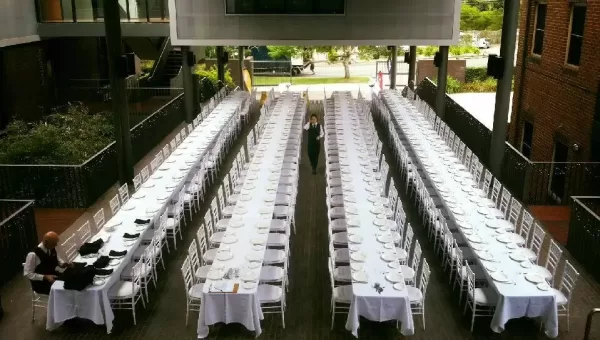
(117, 69)
(394, 67)
(188, 84)
(241, 68)
(412, 67)
(440, 95)
(221, 65)
(507, 52)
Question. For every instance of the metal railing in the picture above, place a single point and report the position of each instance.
(18, 235)
(57, 11)
(588, 323)
(584, 232)
(271, 72)
(534, 183)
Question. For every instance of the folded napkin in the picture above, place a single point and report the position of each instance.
(104, 272)
(101, 262)
(78, 277)
(115, 253)
(91, 247)
(131, 236)
(141, 221)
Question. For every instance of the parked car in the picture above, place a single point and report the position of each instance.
(483, 43)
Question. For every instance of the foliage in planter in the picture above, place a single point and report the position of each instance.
(146, 65)
(68, 137)
(209, 81)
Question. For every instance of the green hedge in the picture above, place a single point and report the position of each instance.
(209, 81)
(473, 74)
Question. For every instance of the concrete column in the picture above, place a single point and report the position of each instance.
(188, 83)
(440, 96)
(241, 60)
(507, 52)
(117, 72)
(394, 67)
(221, 65)
(412, 67)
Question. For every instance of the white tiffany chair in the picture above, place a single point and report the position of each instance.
(99, 219)
(214, 238)
(460, 271)
(190, 201)
(496, 191)
(340, 256)
(137, 182)
(341, 296)
(276, 256)
(173, 144)
(487, 182)
(272, 299)
(515, 212)
(340, 273)
(157, 240)
(147, 270)
(274, 274)
(565, 289)
(37, 301)
(173, 226)
(193, 290)
(214, 212)
(548, 271)
(166, 151)
(535, 245)
(410, 273)
(84, 233)
(207, 256)
(145, 174)
(69, 248)
(200, 271)
(126, 294)
(124, 193)
(114, 204)
(403, 252)
(417, 295)
(226, 211)
(481, 301)
(525, 229)
(505, 201)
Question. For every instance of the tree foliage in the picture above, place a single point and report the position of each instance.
(473, 18)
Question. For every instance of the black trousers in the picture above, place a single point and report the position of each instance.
(313, 154)
(41, 287)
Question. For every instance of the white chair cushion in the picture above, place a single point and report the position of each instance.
(269, 293)
(561, 299)
(414, 294)
(342, 255)
(485, 296)
(278, 225)
(273, 256)
(217, 237)
(280, 211)
(408, 273)
(282, 199)
(343, 294)
(202, 272)
(188, 198)
(196, 291)
(223, 224)
(336, 201)
(123, 290)
(335, 182)
(342, 273)
(232, 199)
(338, 225)
(285, 189)
(337, 212)
(271, 274)
(144, 271)
(402, 254)
(228, 210)
(276, 239)
(340, 238)
(209, 255)
(171, 223)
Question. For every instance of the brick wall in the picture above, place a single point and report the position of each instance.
(558, 99)
(456, 69)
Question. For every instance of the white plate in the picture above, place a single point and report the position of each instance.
(265, 210)
(511, 245)
(475, 238)
(483, 211)
(399, 286)
(162, 197)
(543, 286)
(254, 265)
(215, 274)
(245, 197)
(263, 231)
(534, 278)
(217, 266)
(258, 247)
(128, 206)
(360, 276)
(240, 210)
(114, 262)
(355, 239)
(138, 195)
(251, 276)
(249, 186)
(354, 247)
(358, 256)
(389, 256)
(153, 209)
(351, 210)
(356, 266)
(499, 276)
(236, 223)
(486, 256)
(224, 255)
(479, 246)
(258, 240)
(380, 222)
(518, 256)
(229, 239)
(377, 210)
(394, 277)
(388, 246)
(490, 267)
(254, 257)
(98, 282)
(526, 264)
(385, 238)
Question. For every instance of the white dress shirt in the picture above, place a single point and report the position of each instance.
(33, 261)
(321, 133)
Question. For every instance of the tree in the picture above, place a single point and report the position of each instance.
(284, 52)
(472, 18)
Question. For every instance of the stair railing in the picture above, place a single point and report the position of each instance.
(588, 323)
(165, 49)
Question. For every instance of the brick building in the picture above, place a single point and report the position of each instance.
(555, 114)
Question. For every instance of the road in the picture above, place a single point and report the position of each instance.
(368, 68)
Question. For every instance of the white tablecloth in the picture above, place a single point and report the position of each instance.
(518, 297)
(391, 304)
(156, 193)
(260, 184)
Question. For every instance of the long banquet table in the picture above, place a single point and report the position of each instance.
(367, 226)
(148, 202)
(248, 228)
(505, 268)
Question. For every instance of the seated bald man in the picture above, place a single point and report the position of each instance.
(42, 265)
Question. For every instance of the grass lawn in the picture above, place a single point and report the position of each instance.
(262, 80)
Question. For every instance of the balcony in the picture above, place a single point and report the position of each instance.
(584, 232)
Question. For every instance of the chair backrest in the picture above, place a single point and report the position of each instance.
(477, 171)
(450, 139)
(145, 174)
(526, 224)
(416, 256)
(137, 182)
(84, 233)
(425, 273)
(456, 146)
(208, 225)
(163, 219)
(214, 210)
(159, 157)
(487, 182)
(505, 201)
(166, 151)
(177, 139)
(553, 257)
(226, 190)
(183, 133)
(515, 211)
(99, 218)
(124, 193)
(114, 204)
(408, 238)
(69, 248)
(154, 164)
(221, 200)
(190, 128)
(193, 255)
(496, 191)
(568, 281)
(201, 237)
(467, 160)
(474, 166)
(461, 152)
(470, 281)
(537, 238)
(173, 144)
(446, 135)
(393, 198)
(233, 177)
(187, 274)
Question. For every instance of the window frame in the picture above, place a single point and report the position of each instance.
(523, 139)
(535, 28)
(570, 35)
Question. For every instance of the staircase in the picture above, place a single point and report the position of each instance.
(171, 68)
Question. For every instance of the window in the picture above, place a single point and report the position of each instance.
(527, 139)
(576, 35)
(540, 26)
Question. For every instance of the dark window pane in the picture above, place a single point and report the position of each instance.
(575, 50)
(541, 17)
(538, 42)
(527, 142)
(285, 6)
(578, 20)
